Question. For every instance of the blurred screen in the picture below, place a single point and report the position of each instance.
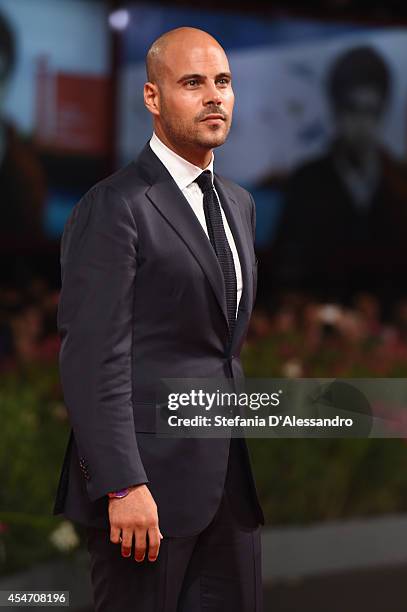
(282, 116)
(55, 112)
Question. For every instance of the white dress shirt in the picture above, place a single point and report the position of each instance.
(184, 174)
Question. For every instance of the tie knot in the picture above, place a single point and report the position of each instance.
(204, 181)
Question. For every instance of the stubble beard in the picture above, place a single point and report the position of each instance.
(189, 134)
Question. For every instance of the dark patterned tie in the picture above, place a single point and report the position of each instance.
(219, 241)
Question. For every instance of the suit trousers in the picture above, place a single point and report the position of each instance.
(216, 570)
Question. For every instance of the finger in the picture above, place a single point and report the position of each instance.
(115, 535)
(140, 548)
(127, 542)
(153, 543)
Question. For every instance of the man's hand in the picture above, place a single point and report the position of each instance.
(135, 514)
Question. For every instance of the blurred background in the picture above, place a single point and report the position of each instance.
(319, 137)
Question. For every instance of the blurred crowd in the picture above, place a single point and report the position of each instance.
(28, 330)
(307, 337)
(310, 338)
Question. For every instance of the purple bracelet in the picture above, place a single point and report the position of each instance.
(119, 494)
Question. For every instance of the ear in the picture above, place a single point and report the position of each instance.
(151, 98)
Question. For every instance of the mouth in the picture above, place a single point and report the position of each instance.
(213, 118)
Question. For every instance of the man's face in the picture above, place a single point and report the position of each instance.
(195, 95)
(358, 119)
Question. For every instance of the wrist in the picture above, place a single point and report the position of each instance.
(121, 492)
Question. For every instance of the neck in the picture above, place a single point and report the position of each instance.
(200, 157)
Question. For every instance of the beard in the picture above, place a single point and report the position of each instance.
(191, 132)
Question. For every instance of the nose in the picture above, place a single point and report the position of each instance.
(212, 95)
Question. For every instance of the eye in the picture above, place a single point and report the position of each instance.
(191, 82)
(223, 81)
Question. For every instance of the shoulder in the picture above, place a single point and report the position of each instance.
(235, 189)
(116, 195)
(125, 184)
(242, 197)
(239, 194)
(109, 200)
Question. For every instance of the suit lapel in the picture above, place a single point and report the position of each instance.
(167, 198)
(175, 208)
(232, 213)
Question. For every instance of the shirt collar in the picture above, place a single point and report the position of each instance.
(181, 170)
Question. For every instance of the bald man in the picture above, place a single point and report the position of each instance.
(159, 279)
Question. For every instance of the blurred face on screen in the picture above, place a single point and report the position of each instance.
(358, 119)
(190, 93)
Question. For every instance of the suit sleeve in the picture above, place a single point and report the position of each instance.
(98, 264)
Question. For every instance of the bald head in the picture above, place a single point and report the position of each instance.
(160, 54)
(189, 92)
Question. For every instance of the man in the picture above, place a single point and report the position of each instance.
(154, 274)
(344, 224)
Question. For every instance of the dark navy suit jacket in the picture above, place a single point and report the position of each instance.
(143, 298)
